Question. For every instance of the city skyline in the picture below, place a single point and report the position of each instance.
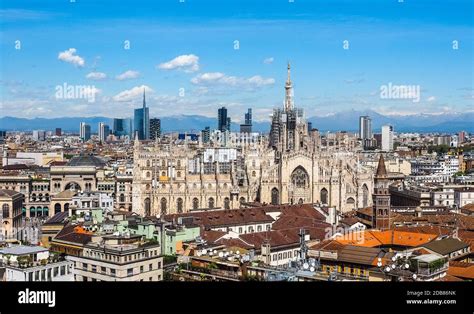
(235, 59)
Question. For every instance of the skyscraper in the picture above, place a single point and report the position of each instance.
(85, 131)
(365, 127)
(387, 138)
(39, 135)
(58, 132)
(223, 122)
(141, 121)
(122, 127)
(206, 134)
(104, 131)
(247, 126)
(155, 128)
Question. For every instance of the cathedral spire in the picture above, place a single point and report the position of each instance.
(288, 91)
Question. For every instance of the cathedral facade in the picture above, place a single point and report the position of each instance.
(288, 166)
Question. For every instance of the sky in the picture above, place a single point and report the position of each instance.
(194, 56)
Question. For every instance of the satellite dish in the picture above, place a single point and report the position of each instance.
(394, 258)
(312, 268)
(407, 266)
(305, 265)
(237, 252)
(414, 276)
(221, 254)
(204, 252)
(379, 259)
(387, 269)
(379, 264)
(215, 252)
(393, 266)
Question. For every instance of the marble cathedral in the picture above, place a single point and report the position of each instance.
(288, 166)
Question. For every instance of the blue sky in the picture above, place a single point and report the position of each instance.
(183, 55)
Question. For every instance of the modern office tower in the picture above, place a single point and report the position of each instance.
(246, 127)
(141, 121)
(3, 135)
(206, 134)
(310, 126)
(39, 135)
(104, 131)
(122, 127)
(462, 137)
(365, 127)
(223, 122)
(365, 132)
(58, 132)
(85, 131)
(155, 128)
(387, 138)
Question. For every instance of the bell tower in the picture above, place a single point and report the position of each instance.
(381, 198)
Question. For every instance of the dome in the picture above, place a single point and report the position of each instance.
(87, 161)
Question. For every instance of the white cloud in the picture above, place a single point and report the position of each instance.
(268, 60)
(128, 75)
(186, 63)
(132, 94)
(431, 98)
(218, 78)
(71, 57)
(97, 76)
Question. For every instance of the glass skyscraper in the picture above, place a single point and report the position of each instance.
(141, 121)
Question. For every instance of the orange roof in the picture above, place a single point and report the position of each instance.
(374, 238)
(80, 229)
(461, 269)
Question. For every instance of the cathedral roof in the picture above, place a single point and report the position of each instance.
(381, 170)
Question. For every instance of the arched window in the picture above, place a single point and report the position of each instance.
(300, 201)
(163, 173)
(178, 174)
(254, 174)
(300, 178)
(148, 174)
(195, 203)
(351, 202)
(66, 207)
(242, 200)
(163, 206)
(57, 208)
(147, 206)
(324, 196)
(226, 203)
(6, 210)
(211, 202)
(180, 205)
(275, 196)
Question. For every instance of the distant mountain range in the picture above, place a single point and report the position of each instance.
(345, 120)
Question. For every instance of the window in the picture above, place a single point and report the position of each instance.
(55, 271)
(112, 272)
(63, 270)
(159, 265)
(150, 267)
(6, 210)
(141, 269)
(84, 266)
(103, 269)
(130, 272)
(94, 268)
